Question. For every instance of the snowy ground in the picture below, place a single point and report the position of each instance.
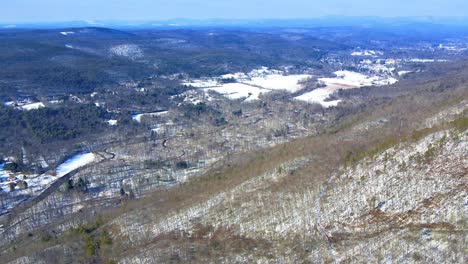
(425, 60)
(130, 51)
(343, 80)
(74, 163)
(319, 96)
(290, 83)
(238, 90)
(401, 73)
(36, 184)
(32, 106)
(25, 105)
(66, 33)
(366, 53)
(250, 85)
(137, 117)
(112, 122)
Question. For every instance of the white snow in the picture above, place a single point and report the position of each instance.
(3, 174)
(32, 106)
(25, 105)
(251, 85)
(318, 96)
(36, 184)
(237, 76)
(401, 73)
(343, 80)
(137, 117)
(131, 51)
(40, 182)
(74, 163)
(194, 96)
(202, 83)
(158, 129)
(66, 33)
(355, 79)
(421, 60)
(279, 82)
(238, 91)
(452, 47)
(366, 53)
(112, 122)
(379, 68)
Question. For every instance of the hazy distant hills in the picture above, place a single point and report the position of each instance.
(327, 21)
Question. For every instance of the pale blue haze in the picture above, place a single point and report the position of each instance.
(69, 10)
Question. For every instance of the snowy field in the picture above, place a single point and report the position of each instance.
(343, 80)
(238, 91)
(290, 83)
(74, 163)
(355, 79)
(319, 96)
(250, 85)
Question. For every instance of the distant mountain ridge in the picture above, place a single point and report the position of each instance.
(303, 22)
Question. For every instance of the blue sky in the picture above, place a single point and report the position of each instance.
(68, 10)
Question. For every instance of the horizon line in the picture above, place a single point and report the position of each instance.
(344, 17)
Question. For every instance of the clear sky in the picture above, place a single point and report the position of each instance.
(70, 10)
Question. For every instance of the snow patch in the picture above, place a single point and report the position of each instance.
(24, 105)
(238, 90)
(112, 122)
(202, 83)
(137, 117)
(401, 73)
(66, 33)
(343, 80)
(32, 106)
(366, 53)
(355, 79)
(290, 83)
(318, 96)
(74, 163)
(250, 85)
(426, 60)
